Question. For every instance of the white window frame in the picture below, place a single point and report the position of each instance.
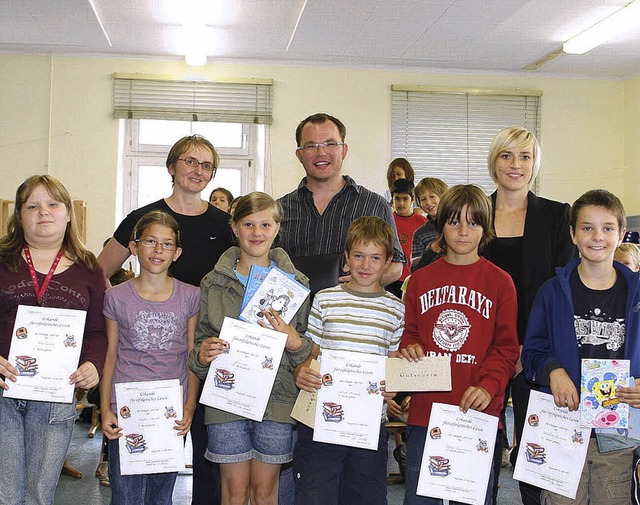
(245, 158)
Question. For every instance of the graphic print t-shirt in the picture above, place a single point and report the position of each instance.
(599, 318)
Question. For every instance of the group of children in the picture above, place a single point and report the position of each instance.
(160, 328)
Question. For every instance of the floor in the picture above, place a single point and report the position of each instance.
(84, 452)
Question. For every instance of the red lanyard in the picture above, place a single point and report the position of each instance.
(34, 277)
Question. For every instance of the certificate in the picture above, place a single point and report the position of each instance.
(458, 454)
(45, 348)
(553, 447)
(147, 414)
(349, 402)
(240, 380)
(431, 373)
(304, 410)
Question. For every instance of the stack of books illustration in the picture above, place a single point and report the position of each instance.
(332, 412)
(26, 365)
(535, 454)
(135, 443)
(224, 379)
(439, 466)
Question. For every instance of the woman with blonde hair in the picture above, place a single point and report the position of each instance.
(532, 239)
(44, 263)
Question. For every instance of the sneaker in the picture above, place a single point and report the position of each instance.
(102, 472)
(400, 455)
(505, 457)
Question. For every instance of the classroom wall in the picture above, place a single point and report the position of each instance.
(55, 117)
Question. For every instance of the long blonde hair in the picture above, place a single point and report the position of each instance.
(12, 243)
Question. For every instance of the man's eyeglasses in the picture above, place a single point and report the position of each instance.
(149, 242)
(192, 162)
(325, 145)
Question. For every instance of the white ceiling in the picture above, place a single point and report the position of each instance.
(451, 35)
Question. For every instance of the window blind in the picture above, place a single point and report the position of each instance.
(173, 99)
(447, 133)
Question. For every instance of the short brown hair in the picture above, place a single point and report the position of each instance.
(598, 198)
(433, 184)
(371, 229)
(186, 143)
(478, 205)
(320, 118)
(404, 164)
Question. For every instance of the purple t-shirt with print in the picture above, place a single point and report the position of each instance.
(152, 335)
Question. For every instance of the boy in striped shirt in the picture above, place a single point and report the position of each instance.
(356, 316)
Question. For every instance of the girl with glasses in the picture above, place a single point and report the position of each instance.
(151, 321)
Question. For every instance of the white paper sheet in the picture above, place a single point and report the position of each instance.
(553, 447)
(45, 348)
(241, 380)
(458, 454)
(349, 403)
(147, 412)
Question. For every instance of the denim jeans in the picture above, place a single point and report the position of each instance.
(416, 437)
(147, 489)
(34, 440)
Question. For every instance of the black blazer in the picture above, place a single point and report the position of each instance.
(546, 245)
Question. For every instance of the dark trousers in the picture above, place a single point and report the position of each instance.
(206, 475)
(520, 391)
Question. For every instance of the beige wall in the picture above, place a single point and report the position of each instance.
(55, 117)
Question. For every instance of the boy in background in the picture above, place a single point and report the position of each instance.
(589, 310)
(629, 255)
(465, 306)
(356, 316)
(428, 193)
(407, 222)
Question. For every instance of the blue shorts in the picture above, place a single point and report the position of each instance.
(244, 440)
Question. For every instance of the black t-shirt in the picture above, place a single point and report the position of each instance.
(507, 254)
(599, 318)
(204, 238)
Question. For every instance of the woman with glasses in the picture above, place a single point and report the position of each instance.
(206, 234)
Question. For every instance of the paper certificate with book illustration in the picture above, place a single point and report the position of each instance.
(147, 414)
(349, 402)
(277, 291)
(240, 380)
(553, 447)
(45, 348)
(458, 453)
(599, 403)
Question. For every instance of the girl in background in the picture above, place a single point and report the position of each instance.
(400, 168)
(628, 254)
(250, 453)
(151, 321)
(221, 198)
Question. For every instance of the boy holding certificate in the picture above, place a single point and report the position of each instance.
(589, 310)
(464, 306)
(356, 316)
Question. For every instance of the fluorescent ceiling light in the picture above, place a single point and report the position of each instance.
(617, 23)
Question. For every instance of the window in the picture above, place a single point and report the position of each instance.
(147, 143)
(155, 111)
(446, 133)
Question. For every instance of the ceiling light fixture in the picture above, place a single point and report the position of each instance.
(615, 24)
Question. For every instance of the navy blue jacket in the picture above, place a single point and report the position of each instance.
(551, 337)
